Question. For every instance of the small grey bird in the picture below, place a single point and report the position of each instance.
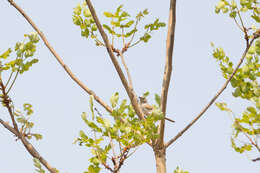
(147, 108)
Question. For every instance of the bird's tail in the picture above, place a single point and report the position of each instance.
(170, 120)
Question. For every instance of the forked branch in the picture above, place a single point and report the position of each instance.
(59, 59)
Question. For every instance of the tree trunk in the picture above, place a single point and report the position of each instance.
(160, 158)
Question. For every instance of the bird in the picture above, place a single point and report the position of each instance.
(147, 108)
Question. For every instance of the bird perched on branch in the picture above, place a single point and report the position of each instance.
(147, 108)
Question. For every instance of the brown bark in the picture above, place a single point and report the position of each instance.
(160, 159)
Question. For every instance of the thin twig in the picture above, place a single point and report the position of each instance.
(248, 137)
(112, 146)
(136, 23)
(130, 92)
(13, 81)
(9, 78)
(240, 18)
(132, 153)
(238, 25)
(127, 71)
(214, 98)
(168, 67)
(58, 58)
(123, 37)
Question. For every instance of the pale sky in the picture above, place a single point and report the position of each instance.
(58, 102)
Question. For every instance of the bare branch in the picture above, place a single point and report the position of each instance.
(129, 91)
(168, 66)
(8, 127)
(127, 71)
(215, 97)
(58, 58)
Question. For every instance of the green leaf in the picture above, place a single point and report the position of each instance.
(252, 110)
(87, 13)
(85, 33)
(118, 10)
(115, 23)
(233, 14)
(77, 10)
(122, 106)
(146, 94)
(108, 28)
(6, 53)
(130, 33)
(256, 18)
(108, 14)
(237, 92)
(145, 12)
(178, 170)
(124, 14)
(114, 99)
(34, 37)
(77, 20)
(129, 24)
(146, 37)
(37, 136)
(38, 166)
(83, 135)
(93, 27)
(222, 106)
(107, 123)
(92, 106)
(158, 99)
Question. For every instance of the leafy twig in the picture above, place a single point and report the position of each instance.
(15, 130)
(9, 79)
(127, 71)
(216, 96)
(130, 93)
(15, 77)
(58, 58)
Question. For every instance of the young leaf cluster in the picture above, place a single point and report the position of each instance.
(121, 25)
(234, 9)
(178, 170)
(246, 127)
(246, 86)
(83, 18)
(246, 80)
(24, 120)
(123, 128)
(24, 50)
(38, 166)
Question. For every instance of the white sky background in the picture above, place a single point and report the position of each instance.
(58, 102)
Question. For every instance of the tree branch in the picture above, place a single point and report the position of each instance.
(130, 92)
(58, 58)
(215, 97)
(15, 130)
(168, 66)
(8, 127)
(127, 71)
